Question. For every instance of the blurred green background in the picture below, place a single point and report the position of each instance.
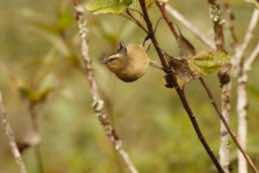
(39, 44)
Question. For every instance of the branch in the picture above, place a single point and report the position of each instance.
(237, 58)
(98, 102)
(171, 81)
(11, 139)
(224, 78)
(241, 72)
(190, 26)
(135, 20)
(249, 62)
(242, 105)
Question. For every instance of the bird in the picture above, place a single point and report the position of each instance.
(129, 63)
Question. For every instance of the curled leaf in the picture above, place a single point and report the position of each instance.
(182, 71)
(199, 65)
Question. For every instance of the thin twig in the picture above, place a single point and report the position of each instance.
(171, 80)
(237, 58)
(98, 102)
(248, 63)
(190, 26)
(136, 20)
(11, 138)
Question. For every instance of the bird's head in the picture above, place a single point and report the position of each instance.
(117, 61)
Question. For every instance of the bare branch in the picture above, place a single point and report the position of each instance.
(242, 105)
(98, 102)
(248, 63)
(240, 71)
(224, 78)
(11, 139)
(190, 26)
(135, 20)
(237, 58)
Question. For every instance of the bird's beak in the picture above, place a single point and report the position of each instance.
(107, 59)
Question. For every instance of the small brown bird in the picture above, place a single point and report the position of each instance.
(129, 63)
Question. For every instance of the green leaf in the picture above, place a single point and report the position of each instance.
(208, 62)
(108, 6)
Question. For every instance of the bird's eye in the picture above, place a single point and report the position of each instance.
(112, 59)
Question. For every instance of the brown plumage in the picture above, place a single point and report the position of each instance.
(129, 63)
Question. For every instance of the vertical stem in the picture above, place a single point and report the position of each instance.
(11, 139)
(35, 126)
(98, 103)
(242, 77)
(224, 150)
(242, 105)
(224, 78)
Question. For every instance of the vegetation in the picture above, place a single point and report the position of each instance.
(141, 126)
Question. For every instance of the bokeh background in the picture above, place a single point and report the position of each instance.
(39, 44)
